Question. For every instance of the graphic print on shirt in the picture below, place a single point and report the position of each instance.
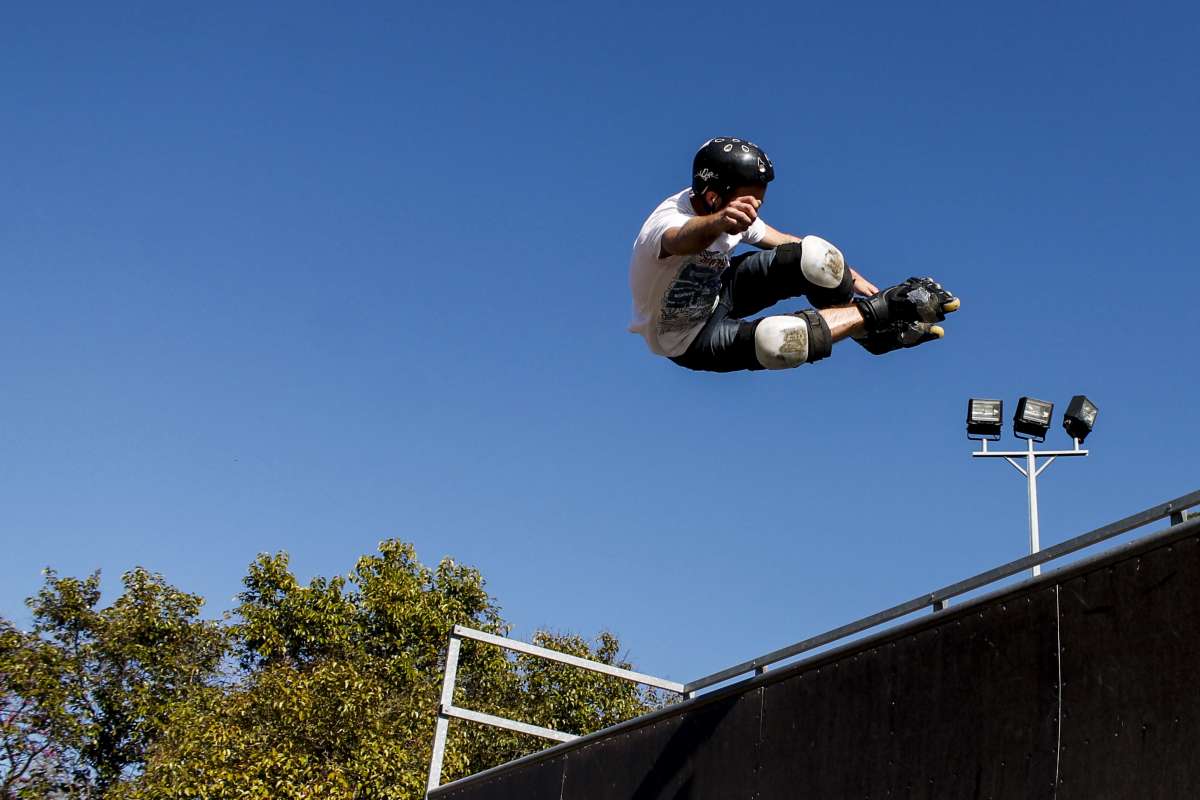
(692, 296)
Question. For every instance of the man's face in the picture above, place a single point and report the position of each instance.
(757, 191)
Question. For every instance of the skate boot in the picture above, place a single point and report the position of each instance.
(899, 335)
(916, 300)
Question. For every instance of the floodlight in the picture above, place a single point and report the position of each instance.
(1032, 419)
(1080, 417)
(985, 418)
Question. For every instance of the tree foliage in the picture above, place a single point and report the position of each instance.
(326, 690)
(88, 690)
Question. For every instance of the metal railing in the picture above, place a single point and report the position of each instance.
(938, 600)
(447, 710)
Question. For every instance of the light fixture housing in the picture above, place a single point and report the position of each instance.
(1032, 419)
(1080, 417)
(985, 418)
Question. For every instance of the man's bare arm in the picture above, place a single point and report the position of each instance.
(695, 235)
(772, 238)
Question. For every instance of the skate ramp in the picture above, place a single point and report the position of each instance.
(1081, 684)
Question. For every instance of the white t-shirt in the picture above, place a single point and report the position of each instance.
(674, 296)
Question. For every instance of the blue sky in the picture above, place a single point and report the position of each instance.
(296, 278)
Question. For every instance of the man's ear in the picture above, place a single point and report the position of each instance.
(713, 199)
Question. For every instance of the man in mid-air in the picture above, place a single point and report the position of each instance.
(691, 300)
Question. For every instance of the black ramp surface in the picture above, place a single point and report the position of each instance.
(1131, 674)
(911, 717)
(543, 779)
(965, 703)
(708, 754)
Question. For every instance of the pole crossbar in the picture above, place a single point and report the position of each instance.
(1024, 453)
(944, 594)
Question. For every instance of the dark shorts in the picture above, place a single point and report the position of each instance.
(748, 286)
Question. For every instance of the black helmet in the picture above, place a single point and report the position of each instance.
(723, 164)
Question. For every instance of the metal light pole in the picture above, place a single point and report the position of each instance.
(1031, 471)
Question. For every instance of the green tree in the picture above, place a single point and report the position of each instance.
(87, 691)
(341, 683)
(29, 766)
(324, 690)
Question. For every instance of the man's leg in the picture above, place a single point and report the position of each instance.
(785, 341)
(782, 342)
(843, 321)
(812, 268)
(729, 344)
(724, 344)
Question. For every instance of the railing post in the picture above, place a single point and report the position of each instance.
(443, 721)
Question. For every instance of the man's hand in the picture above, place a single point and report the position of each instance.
(739, 215)
(862, 285)
(698, 233)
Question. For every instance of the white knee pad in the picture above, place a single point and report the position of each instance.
(784, 342)
(822, 263)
